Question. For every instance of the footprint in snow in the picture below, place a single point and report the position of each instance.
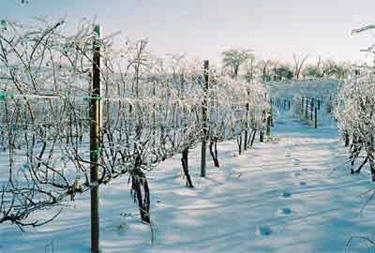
(296, 162)
(302, 183)
(285, 211)
(287, 155)
(264, 230)
(296, 174)
(286, 194)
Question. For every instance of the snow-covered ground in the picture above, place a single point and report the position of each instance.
(287, 195)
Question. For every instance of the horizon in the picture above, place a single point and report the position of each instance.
(272, 30)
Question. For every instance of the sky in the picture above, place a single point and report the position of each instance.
(202, 29)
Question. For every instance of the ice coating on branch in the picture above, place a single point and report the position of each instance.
(355, 107)
(151, 110)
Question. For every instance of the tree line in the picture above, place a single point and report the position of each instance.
(243, 61)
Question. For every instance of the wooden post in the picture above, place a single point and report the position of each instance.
(247, 120)
(204, 118)
(311, 108)
(261, 136)
(268, 129)
(247, 126)
(261, 132)
(271, 121)
(95, 137)
(302, 106)
(306, 108)
(316, 117)
(318, 104)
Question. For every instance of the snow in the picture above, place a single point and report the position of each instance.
(292, 194)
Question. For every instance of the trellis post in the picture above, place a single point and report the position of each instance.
(302, 105)
(95, 138)
(205, 117)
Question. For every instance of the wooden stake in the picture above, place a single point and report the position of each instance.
(205, 118)
(268, 129)
(95, 137)
(302, 106)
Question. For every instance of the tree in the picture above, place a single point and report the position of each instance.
(339, 70)
(283, 72)
(298, 64)
(250, 69)
(342, 70)
(138, 63)
(313, 70)
(234, 58)
(265, 69)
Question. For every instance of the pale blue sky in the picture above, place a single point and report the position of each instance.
(274, 29)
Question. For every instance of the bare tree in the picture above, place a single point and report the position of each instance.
(265, 69)
(339, 70)
(312, 71)
(139, 62)
(250, 69)
(234, 58)
(298, 64)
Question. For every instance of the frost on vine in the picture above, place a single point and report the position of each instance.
(151, 111)
(355, 112)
